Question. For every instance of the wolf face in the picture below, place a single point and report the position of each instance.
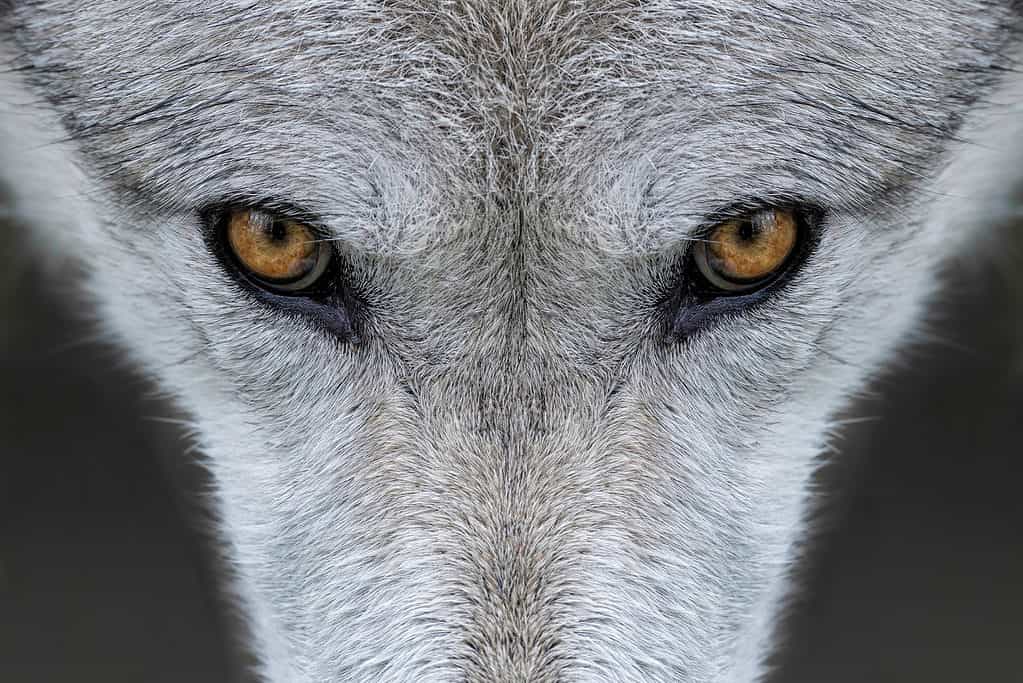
(517, 431)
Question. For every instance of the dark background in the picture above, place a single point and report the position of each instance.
(915, 573)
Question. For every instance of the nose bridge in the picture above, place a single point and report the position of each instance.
(511, 419)
(514, 417)
(519, 461)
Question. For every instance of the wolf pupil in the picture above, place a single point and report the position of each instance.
(278, 231)
(747, 231)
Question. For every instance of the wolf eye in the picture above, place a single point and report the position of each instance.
(284, 263)
(744, 254)
(280, 254)
(737, 265)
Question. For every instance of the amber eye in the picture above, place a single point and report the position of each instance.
(279, 253)
(740, 255)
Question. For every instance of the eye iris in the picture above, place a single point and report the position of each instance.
(276, 250)
(745, 251)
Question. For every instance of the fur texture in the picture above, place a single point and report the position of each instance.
(513, 477)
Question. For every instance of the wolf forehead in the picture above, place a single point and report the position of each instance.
(695, 103)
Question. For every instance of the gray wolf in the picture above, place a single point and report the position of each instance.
(511, 330)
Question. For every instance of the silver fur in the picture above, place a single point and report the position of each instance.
(513, 477)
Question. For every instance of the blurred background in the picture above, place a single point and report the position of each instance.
(914, 572)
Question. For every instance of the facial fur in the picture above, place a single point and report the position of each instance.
(513, 476)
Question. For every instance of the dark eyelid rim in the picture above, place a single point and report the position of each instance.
(691, 305)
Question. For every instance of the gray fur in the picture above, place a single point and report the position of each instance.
(513, 477)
